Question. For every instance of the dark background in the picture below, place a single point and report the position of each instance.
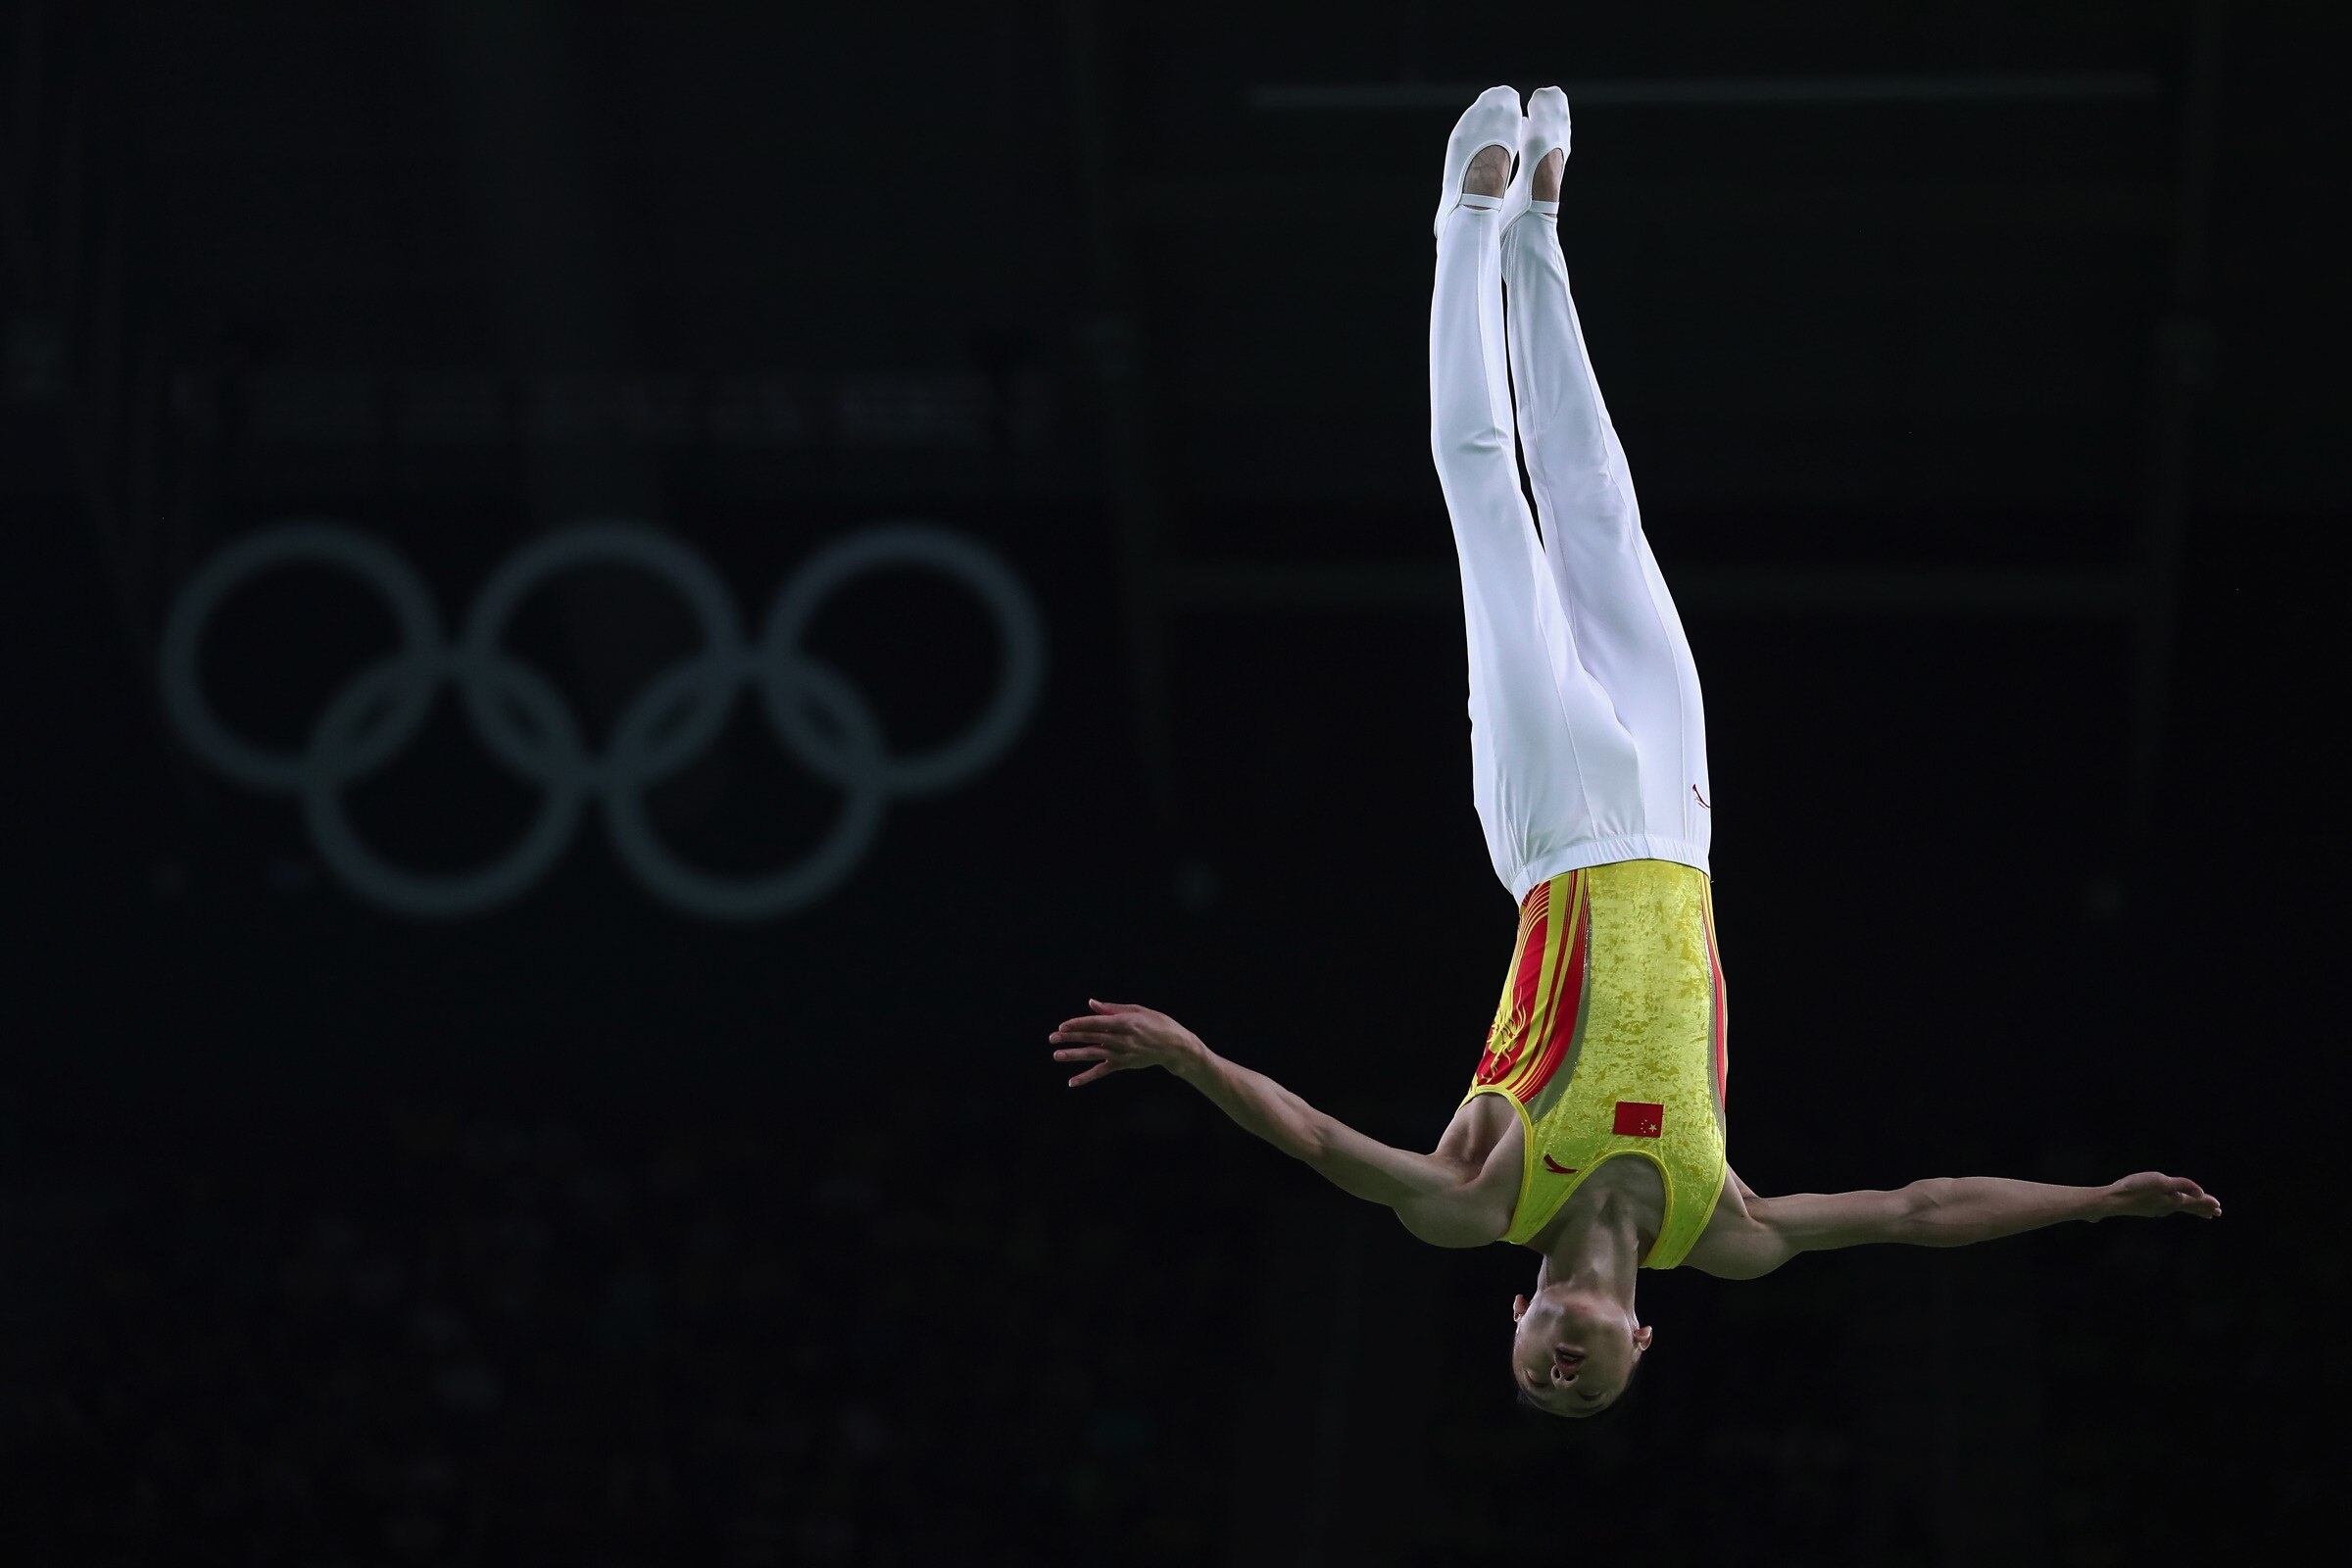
(1982, 367)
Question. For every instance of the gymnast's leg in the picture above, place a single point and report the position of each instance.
(1621, 619)
(1549, 761)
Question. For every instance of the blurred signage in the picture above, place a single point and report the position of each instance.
(524, 719)
(910, 410)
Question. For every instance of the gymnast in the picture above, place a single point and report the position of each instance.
(1589, 765)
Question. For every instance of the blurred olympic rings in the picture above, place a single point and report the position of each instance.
(525, 722)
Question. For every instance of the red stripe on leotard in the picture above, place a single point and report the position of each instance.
(1534, 1027)
(1722, 1021)
(1565, 1000)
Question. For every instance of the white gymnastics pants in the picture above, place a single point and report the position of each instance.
(1587, 740)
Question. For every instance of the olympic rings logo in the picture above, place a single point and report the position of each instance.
(523, 720)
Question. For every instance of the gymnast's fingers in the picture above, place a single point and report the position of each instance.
(1090, 1075)
(1083, 1054)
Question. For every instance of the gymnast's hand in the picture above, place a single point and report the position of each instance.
(2152, 1192)
(1119, 1036)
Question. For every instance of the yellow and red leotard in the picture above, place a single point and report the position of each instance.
(1609, 1040)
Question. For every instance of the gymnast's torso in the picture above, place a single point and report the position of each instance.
(1608, 1042)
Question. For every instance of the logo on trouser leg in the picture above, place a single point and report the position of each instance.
(1703, 800)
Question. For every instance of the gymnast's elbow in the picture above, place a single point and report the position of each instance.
(1923, 1215)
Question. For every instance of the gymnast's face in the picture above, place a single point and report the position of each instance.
(1574, 1352)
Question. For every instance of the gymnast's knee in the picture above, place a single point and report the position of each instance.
(1470, 446)
(1586, 497)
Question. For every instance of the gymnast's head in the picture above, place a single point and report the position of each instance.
(1574, 1352)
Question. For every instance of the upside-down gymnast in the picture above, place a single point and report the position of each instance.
(1589, 764)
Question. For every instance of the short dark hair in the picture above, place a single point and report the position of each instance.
(1529, 1402)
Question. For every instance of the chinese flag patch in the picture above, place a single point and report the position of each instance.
(1636, 1119)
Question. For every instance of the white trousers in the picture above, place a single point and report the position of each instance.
(1587, 740)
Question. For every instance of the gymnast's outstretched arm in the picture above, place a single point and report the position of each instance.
(1750, 1236)
(1437, 1195)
